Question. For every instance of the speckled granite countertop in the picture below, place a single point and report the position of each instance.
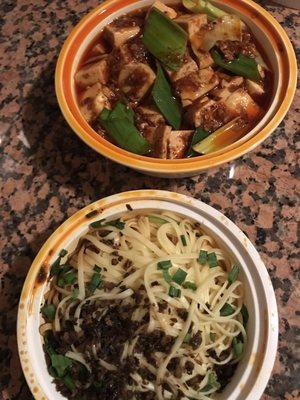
(47, 174)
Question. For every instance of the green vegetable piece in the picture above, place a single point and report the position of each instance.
(75, 294)
(232, 277)
(226, 310)
(212, 260)
(187, 338)
(165, 39)
(63, 253)
(167, 276)
(245, 315)
(243, 65)
(60, 363)
(157, 220)
(237, 347)
(165, 101)
(69, 382)
(94, 282)
(203, 6)
(97, 268)
(120, 126)
(189, 285)
(212, 383)
(49, 311)
(179, 276)
(116, 223)
(183, 240)
(164, 264)
(98, 385)
(202, 259)
(55, 267)
(48, 348)
(174, 292)
(212, 336)
(97, 224)
(70, 278)
(199, 135)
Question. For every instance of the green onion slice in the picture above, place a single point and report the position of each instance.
(226, 310)
(232, 277)
(203, 6)
(49, 311)
(116, 223)
(212, 383)
(164, 99)
(119, 124)
(75, 294)
(165, 39)
(183, 240)
(157, 220)
(55, 267)
(69, 382)
(237, 347)
(202, 259)
(187, 338)
(97, 268)
(60, 363)
(212, 336)
(189, 285)
(167, 276)
(245, 315)
(212, 260)
(179, 276)
(94, 282)
(243, 65)
(164, 264)
(174, 292)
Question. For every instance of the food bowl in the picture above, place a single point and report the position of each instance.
(254, 369)
(265, 28)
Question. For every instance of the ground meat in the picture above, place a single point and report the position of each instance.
(182, 312)
(232, 48)
(195, 340)
(189, 366)
(195, 381)
(224, 373)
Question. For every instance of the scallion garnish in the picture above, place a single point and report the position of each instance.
(60, 363)
(179, 276)
(55, 267)
(183, 240)
(164, 99)
(202, 259)
(237, 347)
(212, 383)
(117, 223)
(94, 282)
(199, 135)
(120, 125)
(232, 277)
(203, 6)
(75, 294)
(164, 264)
(157, 220)
(165, 39)
(167, 276)
(245, 315)
(97, 224)
(242, 66)
(70, 278)
(174, 292)
(187, 338)
(212, 260)
(49, 311)
(63, 253)
(212, 336)
(69, 382)
(226, 310)
(97, 268)
(189, 285)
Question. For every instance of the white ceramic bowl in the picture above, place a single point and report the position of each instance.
(253, 372)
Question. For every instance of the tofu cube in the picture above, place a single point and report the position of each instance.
(93, 100)
(240, 103)
(93, 73)
(188, 67)
(178, 143)
(118, 35)
(191, 23)
(161, 141)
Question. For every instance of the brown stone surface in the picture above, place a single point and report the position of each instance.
(47, 174)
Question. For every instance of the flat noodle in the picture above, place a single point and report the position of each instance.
(117, 268)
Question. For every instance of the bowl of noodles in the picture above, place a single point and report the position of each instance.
(147, 295)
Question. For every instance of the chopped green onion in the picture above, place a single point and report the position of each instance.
(232, 277)
(183, 240)
(48, 348)
(189, 285)
(63, 253)
(202, 259)
(91, 214)
(164, 99)
(187, 338)
(167, 276)
(179, 276)
(97, 268)
(97, 224)
(164, 264)
(243, 65)
(98, 385)
(70, 278)
(245, 315)
(119, 124)
(212, 260)
(75, 294)
(69, 382)
(94, 282)
(60, 363)
(212, 383)
(212, 336)
(157, 220)
(48, 311)
(203, 6)
(165, 39)
(116, 223)
(174, 292)
(199, 135)
(226, 310)
(237, 347)
(55, 267)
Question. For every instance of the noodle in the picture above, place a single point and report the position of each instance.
(149, 303)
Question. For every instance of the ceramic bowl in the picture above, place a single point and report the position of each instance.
(253, 371)
(266, 29)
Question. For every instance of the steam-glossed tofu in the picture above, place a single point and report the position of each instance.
(178, 143)
(188, 67)
(227, 87)
(196, 84)
(149, 115)
(254, 88)
(191, 23)
(161, 141)
(92, 73)
(118, 35)
(240, 103)
(135, 79)
(168, 11)
(93, 100)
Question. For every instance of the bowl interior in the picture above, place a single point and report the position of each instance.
(228, 236)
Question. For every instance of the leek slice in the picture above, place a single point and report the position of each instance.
(165, 39)
(203, 6)
(199, 135)
(222, 137)
(165, 101)
(119, 123)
